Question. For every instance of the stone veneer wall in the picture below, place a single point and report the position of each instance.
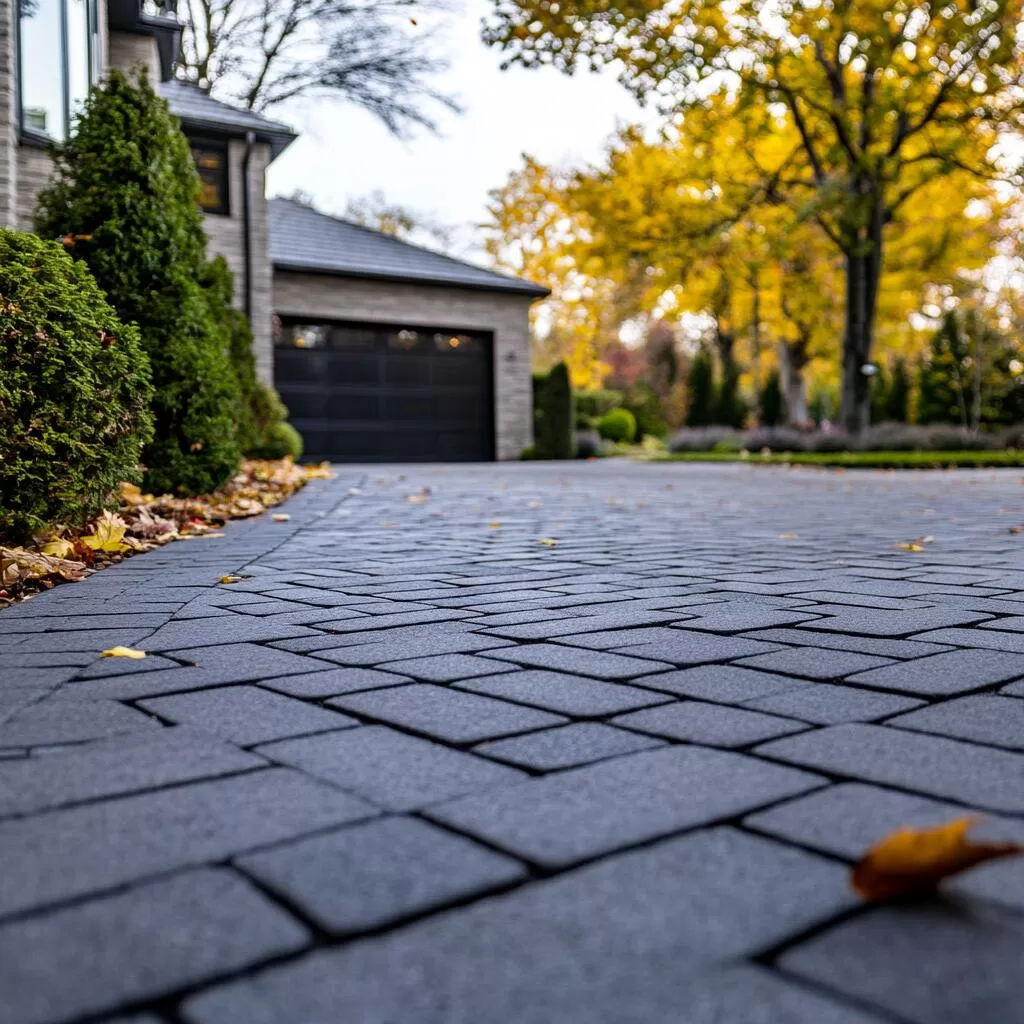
(8, 115)
(227, 238)
(341, 298)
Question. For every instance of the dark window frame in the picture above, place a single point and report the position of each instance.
(222, 149)
(33, 136)
(287, 322)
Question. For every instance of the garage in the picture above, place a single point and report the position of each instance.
(386, 393)
(387, 352)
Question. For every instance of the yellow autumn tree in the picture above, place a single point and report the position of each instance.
(533, 230)
(885, 97)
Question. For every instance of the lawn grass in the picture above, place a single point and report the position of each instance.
(861, 460)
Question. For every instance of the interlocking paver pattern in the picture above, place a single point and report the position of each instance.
(440, 772)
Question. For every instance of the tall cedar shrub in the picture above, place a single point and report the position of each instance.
(730, 408)
(553, 416)
(879, 395)
(124, 196)
(74, 390)
(897, 398)
(701, 387)
(771, 403)
(262, 430)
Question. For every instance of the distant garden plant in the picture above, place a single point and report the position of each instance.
(74, 390)
(124, 201)
(619, 425)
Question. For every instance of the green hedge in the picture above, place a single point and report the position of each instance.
(74, 388)
(124, 197)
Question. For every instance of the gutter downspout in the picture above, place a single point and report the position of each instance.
(250, 138)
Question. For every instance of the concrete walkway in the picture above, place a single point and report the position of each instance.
(423, 766)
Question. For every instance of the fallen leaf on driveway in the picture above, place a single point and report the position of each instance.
(912, 545)
(912, 860)
(280, 517)
(787, 536)
(495, 524)
(548, 542)
(58, 547)
(123, 652)
(108, 535)
(233, 578)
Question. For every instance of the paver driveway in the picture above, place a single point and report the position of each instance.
(421, 768)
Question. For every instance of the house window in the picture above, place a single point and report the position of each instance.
(212, 164)
(52, 91)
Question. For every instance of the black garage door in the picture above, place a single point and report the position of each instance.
(373, 393)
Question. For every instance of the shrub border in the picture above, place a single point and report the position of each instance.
(860, 460)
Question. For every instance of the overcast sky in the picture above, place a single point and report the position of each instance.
(343, 152)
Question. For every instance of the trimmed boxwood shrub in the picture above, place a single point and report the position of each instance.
(280, 440)
(553, 418)
(124, 199)
(261, 425)
(74, 388)
(617, 425)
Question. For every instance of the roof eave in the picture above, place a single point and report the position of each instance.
(521, 288)
(278, 141)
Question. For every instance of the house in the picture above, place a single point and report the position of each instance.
(382, 351)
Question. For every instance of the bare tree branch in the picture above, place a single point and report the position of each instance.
(370, 53)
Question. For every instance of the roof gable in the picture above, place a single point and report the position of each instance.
(303, 239)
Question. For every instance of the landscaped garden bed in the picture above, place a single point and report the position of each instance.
(145, 521)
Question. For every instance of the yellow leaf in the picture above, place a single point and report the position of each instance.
(910, 546)
(787, 536)
(548, 542)
(123, 652)
(494, 524)
(912, 860)
(280, 517)
(58, 547)
(108, 535)
(232, 579)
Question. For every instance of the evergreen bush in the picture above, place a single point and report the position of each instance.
(771, 401)
(74, 388)
(701, 388)
(648, 410)
(897, 398)
(124, 199)
(592, 404)
(279, 440)
(618, 425)
(553, 418)
(262, 413)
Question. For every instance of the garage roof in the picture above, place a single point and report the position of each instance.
(303, 239)
(199, 112)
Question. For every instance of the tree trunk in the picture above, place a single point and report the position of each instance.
(863, 271)
(755, 331)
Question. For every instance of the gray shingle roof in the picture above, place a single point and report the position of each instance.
(198, 111)
(303, 239)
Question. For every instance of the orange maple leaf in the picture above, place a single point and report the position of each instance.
(912, 860)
